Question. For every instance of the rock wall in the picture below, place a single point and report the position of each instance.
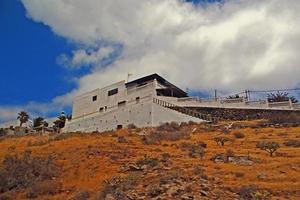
(243, 114)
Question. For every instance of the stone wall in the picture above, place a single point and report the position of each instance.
(242, 114)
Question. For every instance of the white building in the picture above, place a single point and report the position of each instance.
(142, 102)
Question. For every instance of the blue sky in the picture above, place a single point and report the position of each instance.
(28, 58)
(35, 34)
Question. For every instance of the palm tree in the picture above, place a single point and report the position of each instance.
(23, 117)
(38, 122)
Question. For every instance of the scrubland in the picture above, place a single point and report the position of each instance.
(187, 161)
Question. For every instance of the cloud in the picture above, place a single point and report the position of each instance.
(230, 46)
(34, 109)
(83, 57)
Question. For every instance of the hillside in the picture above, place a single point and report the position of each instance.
(170, 162)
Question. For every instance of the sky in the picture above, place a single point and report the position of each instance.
(53, 50)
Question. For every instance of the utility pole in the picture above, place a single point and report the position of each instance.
(216, 95)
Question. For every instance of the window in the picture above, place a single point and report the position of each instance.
(122, 103)
(112, 92)
(94, 98)
(119, 126)
(137, 99)
(101, 109)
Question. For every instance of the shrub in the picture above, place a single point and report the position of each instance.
(269, 147)
(2, 132)
(288, 118)
(121, 139)
(82, 195)
(154, 191)
(199, 171)
(292, 143)
(158, 136)
(49, 187)
(147, 161)
(117, 186)
(221, 140)
(131, 126)
(25, 171)
(248, 192)
(239, 135)
(165, 157)
(170, 127)
(195, 150)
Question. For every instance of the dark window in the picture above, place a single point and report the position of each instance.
(94, 98)
(112, 92)
(101, 109)
(119, 126)
(137, 99)
(122, 103)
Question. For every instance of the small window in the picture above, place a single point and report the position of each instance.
(112, 92)
(94, 98)
(101, 109)
(122, 103)
(119, 126)
(137, 99)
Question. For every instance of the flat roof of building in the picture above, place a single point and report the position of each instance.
(159, 79)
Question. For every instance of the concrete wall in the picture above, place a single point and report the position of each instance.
(162, 115)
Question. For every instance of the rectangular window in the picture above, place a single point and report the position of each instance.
(101, 109)
(94, 98)
(137, 99)
(122, 103)
(112, 92)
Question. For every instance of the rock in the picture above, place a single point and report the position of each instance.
(187, 197)
(203, 193)
(109, 197)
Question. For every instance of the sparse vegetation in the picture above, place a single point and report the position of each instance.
(48, 187)
(221, 140)
(147, 162)
(99, 166)
(156, 137)
(292, 143)
(170, 127)
(280, 97)
(25, 171)
(82, 195)
(239, 135)
(288, 119)
(195, 150)
(121, 139)
(269, 147)
(117, 186)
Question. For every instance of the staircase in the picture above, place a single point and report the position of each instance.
(188, 111)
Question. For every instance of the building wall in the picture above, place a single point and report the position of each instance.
(139, 109)
(138, 113)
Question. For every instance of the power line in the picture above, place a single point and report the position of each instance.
(274, 90)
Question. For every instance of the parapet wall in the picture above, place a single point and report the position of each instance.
(243, 114)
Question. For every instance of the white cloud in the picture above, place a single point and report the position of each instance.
(240, 44)
(83, 57)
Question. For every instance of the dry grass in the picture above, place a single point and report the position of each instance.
(88, 160)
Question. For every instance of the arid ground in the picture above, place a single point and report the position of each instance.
(168, 162)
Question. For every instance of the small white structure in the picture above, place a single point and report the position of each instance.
(142, 102)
